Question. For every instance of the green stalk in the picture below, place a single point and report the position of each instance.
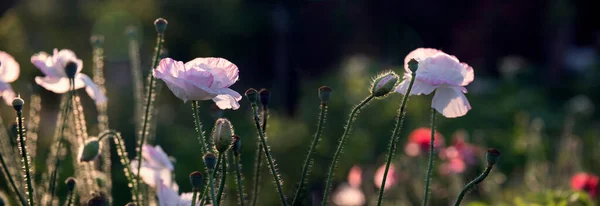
(194, 196)
(120, 147)
(212, 187)
(147, 112)
(258, 156)
(238, 175)
(70, 198)
(25, 156)
(340, 146)
(65, 118)
(199, 130)
(268, 154)
(207, 187)
(308, 160)
(473, 183)
(394, 138)
(12, 182)
(430, 165)
(223, 156)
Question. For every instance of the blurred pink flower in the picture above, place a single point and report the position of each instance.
(201, 79)
(586, 182)
(168, 196)
(443, 73)
(9, 72)
(355, 176)
(453, 166)
(391, 176)
(419, 139)
(56, 79)
(347, 195)
(156, 166)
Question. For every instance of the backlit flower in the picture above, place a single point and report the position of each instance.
(56, 80)
(201, 79)
(391, 176)
(156, 166)
(168, 196)
(347, 195)
(443, 73)
(9, 72)
(419, 139)
(453, 166)
(586, 182)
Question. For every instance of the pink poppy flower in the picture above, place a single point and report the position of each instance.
(201, 79)
(391, 177)
(453, 166)
(586, 182)
(355, 176)
(347, 195)
(419, 140)
(9, 72)
(156, 166)
(56, 79)
(168, 196)
(443, 73)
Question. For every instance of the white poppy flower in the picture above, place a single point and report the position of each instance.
(9, 72)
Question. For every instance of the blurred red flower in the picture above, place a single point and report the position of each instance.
(419, 139)
(586, 182)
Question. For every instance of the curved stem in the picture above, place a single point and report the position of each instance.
(194, 196)
(313, 146)
(222, 156)
(270, 161)
(198, 124)
(147, 112)
(207, 187)
(394, 138)
(340, 146)
(238, 175)
(212, 187)
(430, 164)
(258, 160)
(473, 183)
(12, 182)
(25, 157)
(120, 147)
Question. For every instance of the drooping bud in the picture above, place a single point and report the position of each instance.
(161, 25)
(97, 40)
(384, 84)
(237, 145)
(324, 93)
(71, 183)
(71, 69)
(492, 156)
(196, 180)
(210, 160)
(90, 150)
(18, 103)
(252, 95)
(413, 65)
(98, 199)
(222, 133)
(264, 96)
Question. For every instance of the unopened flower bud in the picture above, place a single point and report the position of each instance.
(413, 65)
(237, 145)
(196, 180)
(221, 134)
(252, 95)
(384, 84)
(71, 182)
(492, 156)
(97, 40)
(324, 93)
(161, 25)
(131, 31)
(264, 96)
(210, 160)
(90, 150)
(98, 199)
(71, 69)
(18, 103)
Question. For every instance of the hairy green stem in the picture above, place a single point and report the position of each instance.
(258, 158)
(270, 161)
(212, 187)
(199, 131)
(147, 112)
(12, 182)
(430, 164)
(313, 146)
(207, 187)
(194, 196)
(65, 118)
(340, 146)
(120, 147)
(70, 198)
(222, 156)
(394, 138)
(238, 175)
(25, 157)
(473, 183)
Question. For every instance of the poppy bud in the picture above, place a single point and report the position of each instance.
(18, 103)
(196, 180)
(264, 96)
(413, 65)
(90, 150)
(492, 156)
(210, 160)
(324, 93)
(384, 84)
(71, 69)
(221, 134)
(252, 95)
(237, 145)
(97, 41)
(161, 25)
(98, 199)
(130, 204)
(70, 182)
